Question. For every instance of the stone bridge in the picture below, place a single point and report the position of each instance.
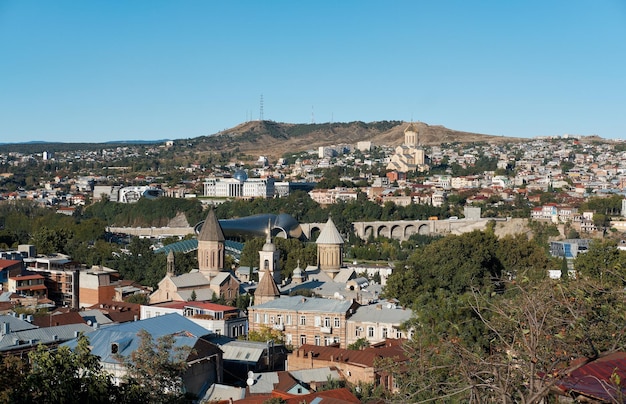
(398, 230)
(403, 229)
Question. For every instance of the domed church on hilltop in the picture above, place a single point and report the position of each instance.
(410, 156)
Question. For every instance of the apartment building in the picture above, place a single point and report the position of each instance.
(304, 320)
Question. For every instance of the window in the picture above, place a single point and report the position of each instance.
(398, 334)
(326, 321)
(318, 321)
(358, 331)
(336, 340)
(265, 318)
(288, 321)
(279, 319)
(288, 339)
(271, 319)
(302, 339)
(302, 320)
(370, 332)
(337, 322)
(317, 340)
(257, 318)
(384, 333)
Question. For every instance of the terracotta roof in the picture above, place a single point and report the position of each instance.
(211, 229)
(27, 277)
(8, 263)
(52, 320)
(365, 357)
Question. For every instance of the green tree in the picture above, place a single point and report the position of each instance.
(66, 376)
(534, 330)
(266, 334)
(359, 344)
(155, 369)
(602, 262)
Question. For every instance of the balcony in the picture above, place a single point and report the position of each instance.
(326, 330)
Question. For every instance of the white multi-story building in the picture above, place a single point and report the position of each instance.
(258, 188)
(236, 188)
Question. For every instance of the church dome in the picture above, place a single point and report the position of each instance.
(269, 246)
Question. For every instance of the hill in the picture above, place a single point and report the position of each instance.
(274, 139)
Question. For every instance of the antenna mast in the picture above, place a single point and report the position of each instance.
(261, 109)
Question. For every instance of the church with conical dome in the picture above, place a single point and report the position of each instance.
(209, 280)
(410, 156)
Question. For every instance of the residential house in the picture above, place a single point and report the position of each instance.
(217, 318)
(304, 320)
(204, 359)
(355, 365)
(378, 322)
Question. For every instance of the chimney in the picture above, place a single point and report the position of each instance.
(135, 317)
(76, 289)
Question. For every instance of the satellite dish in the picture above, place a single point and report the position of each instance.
(250, 375)
(250, 382)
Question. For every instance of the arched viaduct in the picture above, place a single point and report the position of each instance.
(403, 229)
(398, 230)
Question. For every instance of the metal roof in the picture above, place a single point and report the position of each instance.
(190, 279)
(45, 335)
(329, 234)
(318, 375)
(299, 303)
(381, 313)
(125, 335)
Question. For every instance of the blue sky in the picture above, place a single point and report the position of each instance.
(93, 71)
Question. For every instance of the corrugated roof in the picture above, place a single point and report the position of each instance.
(45, 335)
(318, 375)
(594, 379)
(16, 324)
(243, 352)
(329, 234)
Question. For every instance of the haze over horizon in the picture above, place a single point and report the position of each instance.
(97, 71)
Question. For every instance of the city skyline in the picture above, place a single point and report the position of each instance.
(102, 71)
